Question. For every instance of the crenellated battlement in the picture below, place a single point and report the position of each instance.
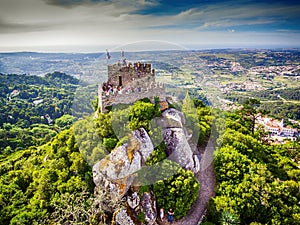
(128, 83)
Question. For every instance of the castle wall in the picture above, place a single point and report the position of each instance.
(128, 73)
(151, 91)
(129, 83)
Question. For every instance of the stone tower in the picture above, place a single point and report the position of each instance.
(128, 83)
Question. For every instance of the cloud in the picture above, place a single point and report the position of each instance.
(8, 27)
(74, 3)
(121, 21)
(119, 3)
(147, 3)
(224, 15)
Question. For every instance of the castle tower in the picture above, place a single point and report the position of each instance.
(127, 83)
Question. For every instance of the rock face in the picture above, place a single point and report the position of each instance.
(149, 207)
(145, 144)
(133, 200)
(176, 140)
(171, 118)
(116, 171)
(122, 218)
(177, 147)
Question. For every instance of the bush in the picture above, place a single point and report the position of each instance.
(177, 191)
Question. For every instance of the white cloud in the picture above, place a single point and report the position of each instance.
(118, 22)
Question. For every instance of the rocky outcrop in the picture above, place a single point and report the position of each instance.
(176, 140)
(122, 218)
(117, 170)
(145, 144)
(177, 147)
(133, 200)
(171, 118)
(149, 207)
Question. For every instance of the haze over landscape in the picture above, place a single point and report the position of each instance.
(94, 25)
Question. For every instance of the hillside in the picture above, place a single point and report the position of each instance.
(53, 183)
(30, 106)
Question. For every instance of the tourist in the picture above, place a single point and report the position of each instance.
(120, 90)
(170, 215)
(161, 214)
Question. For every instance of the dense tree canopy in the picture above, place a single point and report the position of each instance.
(257, 183)
(29, 107)
(35, 180)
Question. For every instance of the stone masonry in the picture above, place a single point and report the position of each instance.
(128, 83)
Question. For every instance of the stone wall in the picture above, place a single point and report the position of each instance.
(135, 93)
(130, 83)
(128, 73)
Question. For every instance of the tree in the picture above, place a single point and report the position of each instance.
(64, 122)
(178, 191)
(140, 115)
(250, 112)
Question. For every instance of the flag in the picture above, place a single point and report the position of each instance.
(122, 53)
(107, 54)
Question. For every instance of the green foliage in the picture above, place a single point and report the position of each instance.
(33, 179)
(228, 218)
(177, 191)
(250, 111)
(26, 103)
(55, 90)
(141, 217)
(140, 115)
(157, 155)
(143, 189)
(110, 143)
(256, 182)
(193, 125)
(236, 163)
(13, 138)
(204, 122)
(206, 223)
(89, 139)
(64, 122)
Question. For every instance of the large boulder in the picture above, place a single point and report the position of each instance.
(177, 147)
(122, 218)
(133, 200)
(149, 207)
(117, 170)
(145, 144)
(176, 139)
(171, 118)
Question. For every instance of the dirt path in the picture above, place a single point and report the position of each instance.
(207, 180)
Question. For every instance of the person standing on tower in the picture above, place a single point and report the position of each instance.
(107, 54)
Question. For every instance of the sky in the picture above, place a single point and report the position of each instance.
(94, 25)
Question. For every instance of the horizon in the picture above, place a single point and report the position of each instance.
(117, 49)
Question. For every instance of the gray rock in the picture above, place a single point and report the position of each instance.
(177, 140)
(171, 118)
(177, 147)
(196, 164)
(119, 166)
(145, 143)
(117, 170)
(122, 218)
(149, 207)
(133, 200)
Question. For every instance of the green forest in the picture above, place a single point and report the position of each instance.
(46, 178)
(256, 183)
